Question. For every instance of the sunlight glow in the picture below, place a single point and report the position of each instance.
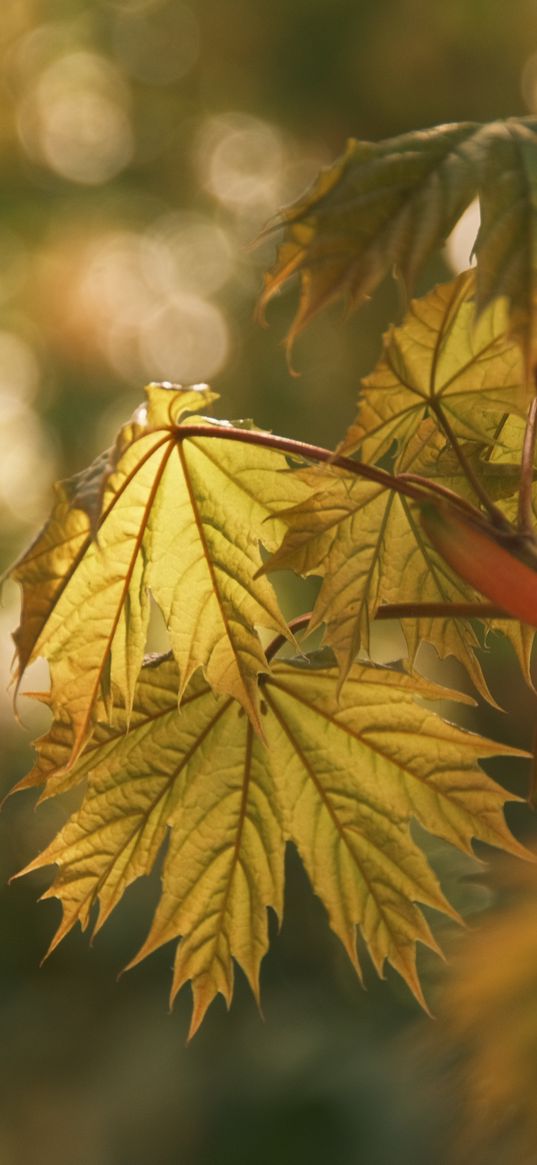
(143, 296)
(193, 254)
(459, 245)
(185, 339)
(240, 161)
(75, 119)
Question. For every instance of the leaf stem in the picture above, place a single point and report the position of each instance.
(496, 514)
(403, 611)
(441, 611)
(525, 509)
(443, 491)
(295, 625)
(410, 485)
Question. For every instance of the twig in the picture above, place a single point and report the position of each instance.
(418, 488)
(403, 611)
(441, 611)
(280, 641)
(443, 490)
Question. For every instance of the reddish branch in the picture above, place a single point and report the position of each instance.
(419, 489)
(403, 611)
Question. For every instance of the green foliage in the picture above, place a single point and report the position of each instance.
(219, 749)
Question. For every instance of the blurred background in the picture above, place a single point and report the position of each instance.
(143, 145)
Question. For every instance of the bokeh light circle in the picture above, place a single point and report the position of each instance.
(75, 120)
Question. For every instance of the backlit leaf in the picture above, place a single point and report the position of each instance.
(47, 563)
(341, 776)
(213, 757)
(441, 354)
(367, 544)
(338, 533)
(181, 519)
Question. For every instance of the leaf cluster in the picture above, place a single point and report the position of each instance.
(220, 752)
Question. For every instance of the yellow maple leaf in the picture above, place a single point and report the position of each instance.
(443, 354)
(367, 544)
(340, 776)
(176, 516)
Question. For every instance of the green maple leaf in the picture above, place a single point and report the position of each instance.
(389, 204)
(170, 515)
(381, 204)
(339, 775)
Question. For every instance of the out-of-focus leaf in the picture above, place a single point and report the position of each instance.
(389, 204)
(382, 204)
(339, 775)
(180, 518)
(506, 246)
(487, 1025)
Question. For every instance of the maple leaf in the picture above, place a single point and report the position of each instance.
(341, 776)
(169, 514)
(498, 467)
(218, 756)
(506, 245)
(367, 544)
(442, 355)
(381, 204)
(54, 552)
(426, 577)
(386, 205)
